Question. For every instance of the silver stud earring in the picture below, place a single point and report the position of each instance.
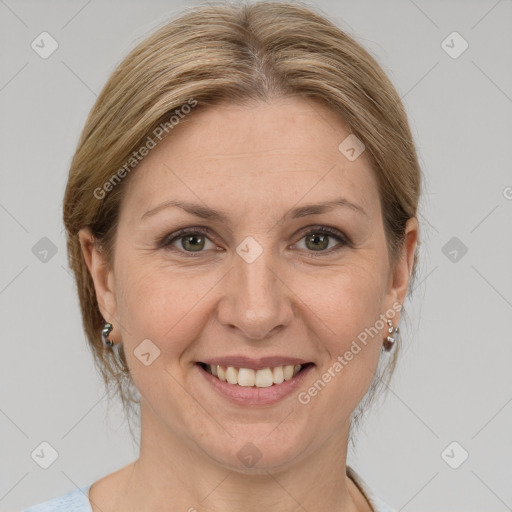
(107, 329)
(389, 341)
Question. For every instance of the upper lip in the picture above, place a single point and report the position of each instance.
(257, 363)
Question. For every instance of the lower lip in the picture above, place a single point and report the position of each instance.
(242, 395)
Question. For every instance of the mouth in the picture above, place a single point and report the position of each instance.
(255, 378)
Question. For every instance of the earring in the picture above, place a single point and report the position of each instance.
(390, 340)
(107, 329)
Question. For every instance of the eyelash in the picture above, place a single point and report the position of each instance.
(167, 241)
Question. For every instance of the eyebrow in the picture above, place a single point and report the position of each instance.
(205, 212)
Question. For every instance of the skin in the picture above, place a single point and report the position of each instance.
(255, 162)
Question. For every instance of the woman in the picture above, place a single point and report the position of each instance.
(241, 214)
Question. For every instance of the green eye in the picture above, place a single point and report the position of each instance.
(194, 240)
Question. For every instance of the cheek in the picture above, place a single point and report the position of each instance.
(163, 304)
(351, 297)
(351, 307)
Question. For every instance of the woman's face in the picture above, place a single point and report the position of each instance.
(258, 282)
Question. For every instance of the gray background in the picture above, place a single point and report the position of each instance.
(454, 380)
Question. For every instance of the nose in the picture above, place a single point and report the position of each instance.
(256, 303)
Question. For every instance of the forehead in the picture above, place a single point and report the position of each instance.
(259, 156)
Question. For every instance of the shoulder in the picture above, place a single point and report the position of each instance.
(376, 503)
(76, 500)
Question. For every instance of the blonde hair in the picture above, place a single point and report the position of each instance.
(220, 52)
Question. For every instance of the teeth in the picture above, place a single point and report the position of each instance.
(247, 377)
(264, 378)
(278, 375)
(288, 372)
(232, 375)
(221, 374)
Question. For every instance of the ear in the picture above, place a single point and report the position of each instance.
(401, 273)
(102, 276)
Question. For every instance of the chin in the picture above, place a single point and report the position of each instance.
(256, 452)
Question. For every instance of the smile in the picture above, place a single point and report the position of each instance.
(253, 381)
(247, 377)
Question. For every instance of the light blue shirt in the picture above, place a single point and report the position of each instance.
(77, 500)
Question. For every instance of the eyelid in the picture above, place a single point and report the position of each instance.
(167, 240)
(343, 240)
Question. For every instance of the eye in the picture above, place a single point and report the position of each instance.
(194, 240)
(317, 239)
(190, 240)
